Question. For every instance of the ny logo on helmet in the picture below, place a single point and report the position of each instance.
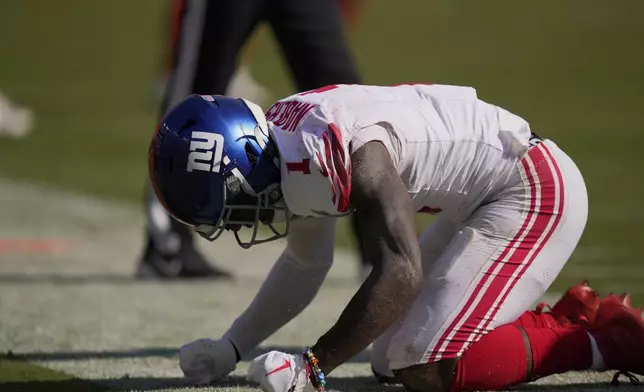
(201, 155)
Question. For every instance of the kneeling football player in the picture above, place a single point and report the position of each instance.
(510, 206)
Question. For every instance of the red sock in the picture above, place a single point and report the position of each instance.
(499, 360)
(559, 350)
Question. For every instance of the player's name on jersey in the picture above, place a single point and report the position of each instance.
(287, 114)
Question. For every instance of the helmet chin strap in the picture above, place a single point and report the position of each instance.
(263, 130)
(271, 148)
(271, 198)
(260, 135)
(279, 215)
(268, 199)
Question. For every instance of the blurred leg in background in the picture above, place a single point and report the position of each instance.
(311, 36)
(207, 40)
(208, 36)
(242, 83)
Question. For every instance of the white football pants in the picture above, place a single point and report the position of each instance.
(488, 270)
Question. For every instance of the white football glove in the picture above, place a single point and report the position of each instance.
(205, 360)
(280, 372)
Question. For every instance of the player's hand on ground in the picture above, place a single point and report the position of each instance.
(206, 360)
(279, 372)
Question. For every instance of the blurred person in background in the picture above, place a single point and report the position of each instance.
(206, 40)
(242, 83)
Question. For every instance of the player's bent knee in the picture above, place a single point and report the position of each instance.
(428, 377)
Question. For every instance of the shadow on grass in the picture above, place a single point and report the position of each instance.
(163, 352)
(17, 375)
(63, 279)
(342, 384)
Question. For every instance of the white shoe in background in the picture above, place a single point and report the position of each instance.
(15, 121)
(244, 85)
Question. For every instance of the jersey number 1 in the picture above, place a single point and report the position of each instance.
(302, 167)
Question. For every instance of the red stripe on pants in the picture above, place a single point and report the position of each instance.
(558, 193)
(508, 267)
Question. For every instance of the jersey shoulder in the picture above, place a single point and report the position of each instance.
(314, 158)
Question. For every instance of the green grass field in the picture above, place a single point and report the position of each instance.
(76, 320)
(574, 69)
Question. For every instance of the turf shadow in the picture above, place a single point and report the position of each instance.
(342, 384)
(624, 386)
(65, 279)
(164, 352)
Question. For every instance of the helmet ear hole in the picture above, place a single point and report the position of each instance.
(233, 184)
(250, 154)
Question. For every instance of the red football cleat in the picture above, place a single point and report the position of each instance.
(579, 303)
(625, 299)
(618, 329)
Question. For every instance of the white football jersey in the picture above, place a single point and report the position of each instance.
(452, 150)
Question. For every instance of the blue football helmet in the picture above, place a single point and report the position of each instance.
(213, 167)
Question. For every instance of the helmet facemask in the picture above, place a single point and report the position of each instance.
(265, 207)
(245, 208)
